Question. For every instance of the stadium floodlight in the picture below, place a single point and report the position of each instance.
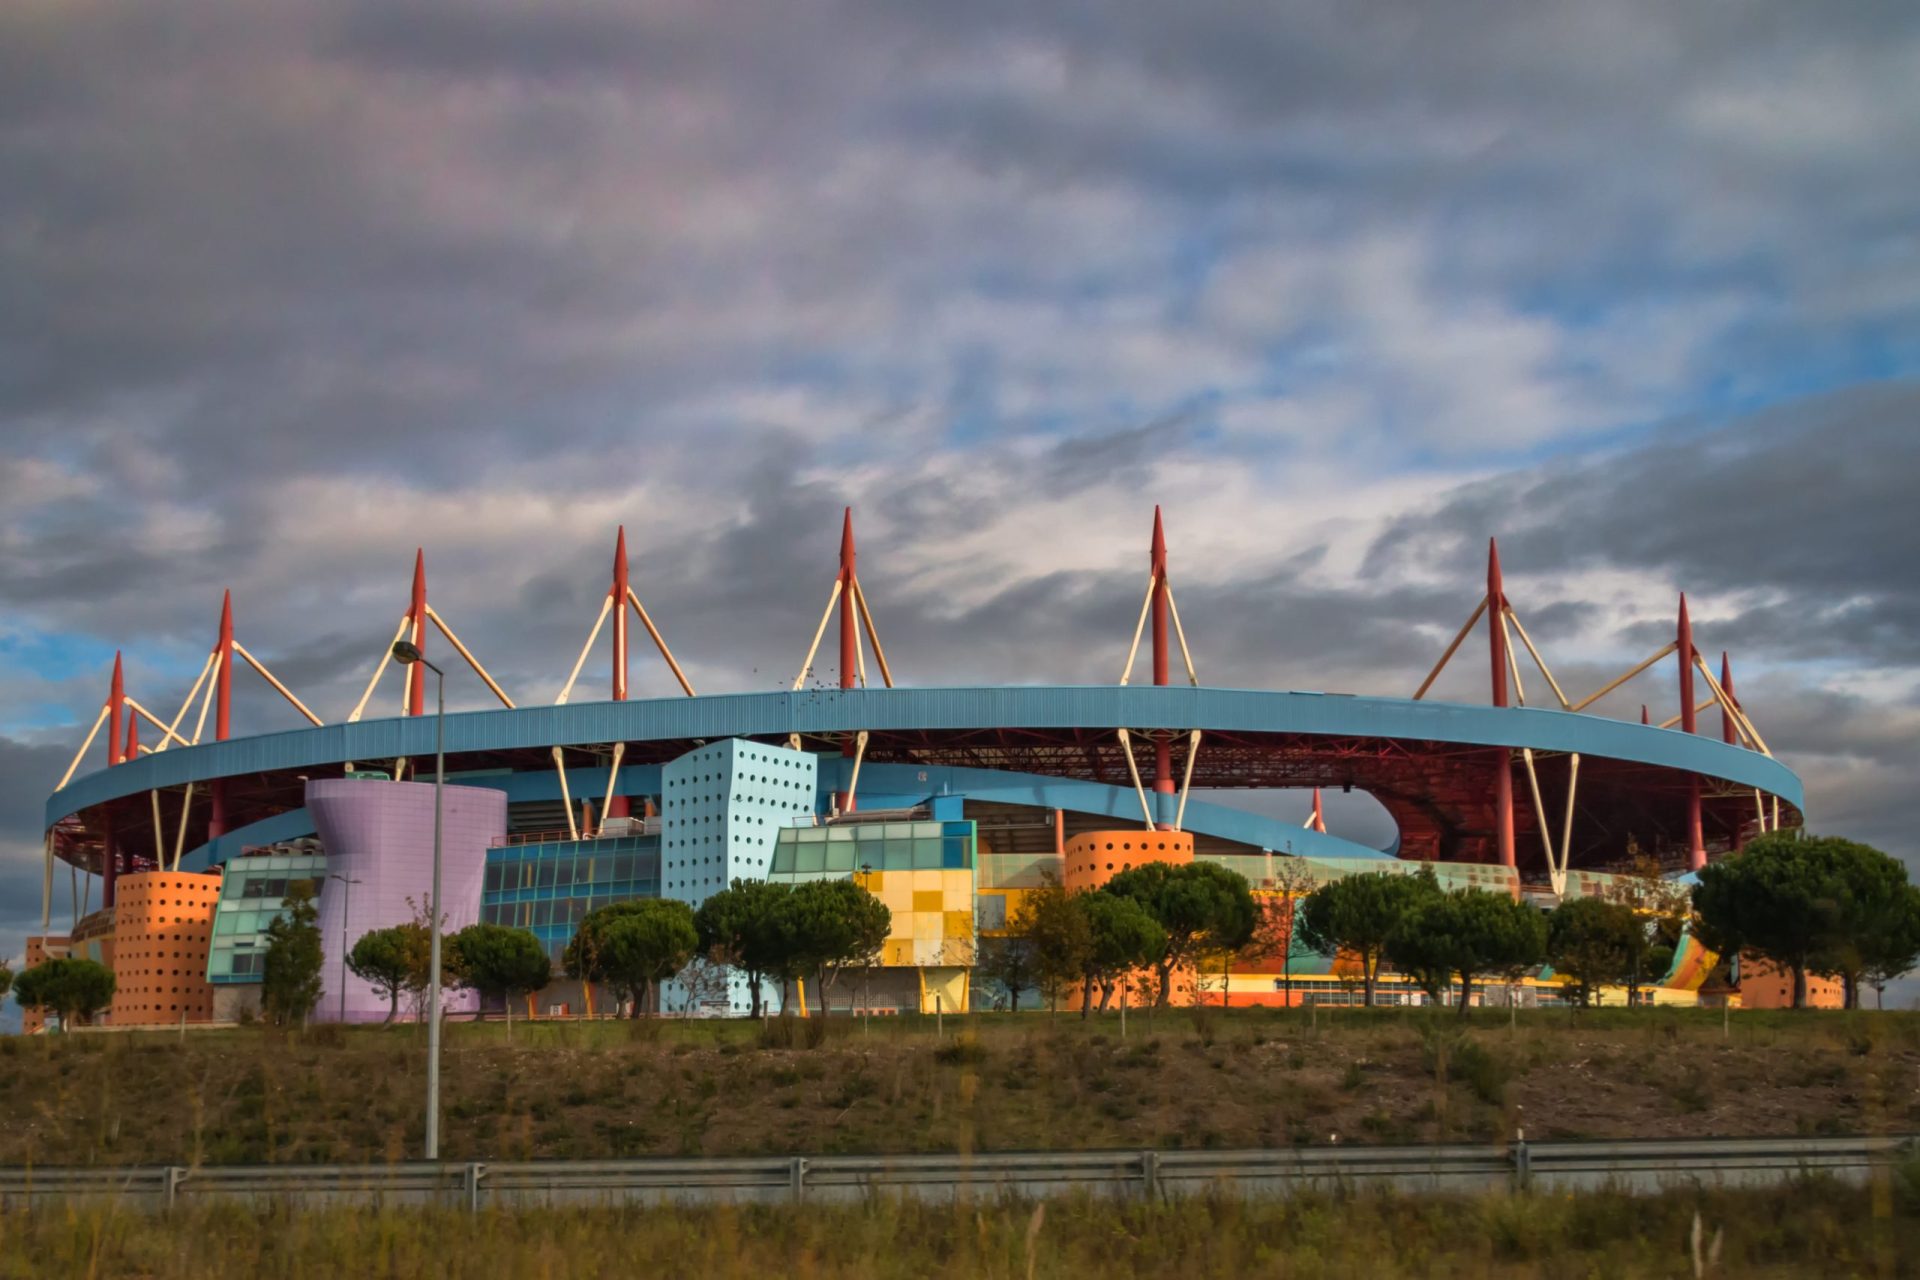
(406, 653)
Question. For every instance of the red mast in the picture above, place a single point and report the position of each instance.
(1497, 649)
(1728, 734)
(618, 806)
(1157, 561)
(116, 704)
(619, 593)
(417, 634)
(109, 850)
(222, 709)
(849, 638)
(1689, 723)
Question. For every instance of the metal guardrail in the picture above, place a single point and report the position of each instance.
(1557, 1166)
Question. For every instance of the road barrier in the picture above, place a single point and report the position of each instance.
(1558, 1166)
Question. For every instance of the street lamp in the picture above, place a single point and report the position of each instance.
(346, 901)
(407, 654)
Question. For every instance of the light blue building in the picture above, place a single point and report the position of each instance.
(722, 808)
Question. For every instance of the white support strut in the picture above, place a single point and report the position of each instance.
(81, 754)
(472, 661)
(1133, 767)
(1566, 830)
(166, 731)
(859, 754)
(192, 693)
(1458, 639)
(1186, 782)
(659, 641)
(566, 798)
(566, 690)
(1180, 633)
(1133, 650)
(180, 841)
(873, 633)
(1539, 661)
(379, 669)
(613, 774)
(281, 689)
(833, 598)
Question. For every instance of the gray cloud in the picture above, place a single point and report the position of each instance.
(294, 290)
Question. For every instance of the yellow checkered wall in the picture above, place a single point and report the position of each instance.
(932, 916)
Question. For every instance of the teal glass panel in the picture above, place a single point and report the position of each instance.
(840, 856)
(810, 857)
(926, 855)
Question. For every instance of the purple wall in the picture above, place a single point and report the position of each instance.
(381, 834)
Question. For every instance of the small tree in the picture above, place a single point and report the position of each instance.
(384, 960)
(1058, 933)
(1359, 913)
(1121, 937)
(419, 943)
(1593, 941)
(496, 960)
(833, 926)
(6, 981)
(742, 926)
(1202, 906)
(1875, 919)
(1471, 933)
(1800, 901)
(1292, 880)
(290, 972)
(633, 946)
(71, 988)
(1661, 909)
(1893, 944)
(1008, 960)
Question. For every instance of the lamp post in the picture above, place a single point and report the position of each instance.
(406, 654)
(346, 901)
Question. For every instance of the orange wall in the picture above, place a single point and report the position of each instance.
(1095, 857)
(162, 920)
(1764, 985)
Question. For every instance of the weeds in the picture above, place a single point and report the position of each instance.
(1812, 1228)
(997, 1083)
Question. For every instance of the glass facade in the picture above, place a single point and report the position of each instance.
(549, 887)
(819, 853)
(250, 896)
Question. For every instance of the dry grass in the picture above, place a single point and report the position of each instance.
(1817, 1228)
(1243, 1078)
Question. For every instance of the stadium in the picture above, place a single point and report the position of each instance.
(947, 803)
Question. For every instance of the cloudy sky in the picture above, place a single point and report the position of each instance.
(287, 290)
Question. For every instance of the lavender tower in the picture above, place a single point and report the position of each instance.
(381, 834)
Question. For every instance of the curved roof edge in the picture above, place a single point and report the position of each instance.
(767, 715)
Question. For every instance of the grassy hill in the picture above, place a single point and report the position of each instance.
(1183, 1078)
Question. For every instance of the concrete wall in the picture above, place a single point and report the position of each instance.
(381, 834)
